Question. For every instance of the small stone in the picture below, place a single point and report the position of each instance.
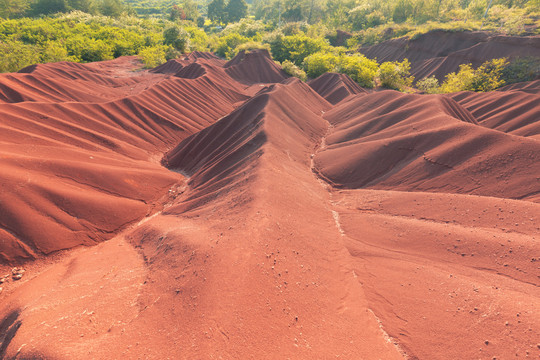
(17, 273)
(486, 342)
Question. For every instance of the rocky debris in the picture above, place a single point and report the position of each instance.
(17, 273)
(4, 278)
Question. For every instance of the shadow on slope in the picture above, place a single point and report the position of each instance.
(226, 154)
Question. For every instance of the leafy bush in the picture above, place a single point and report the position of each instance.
(87, 50)
(429, 85)
(198, 40)
(54, 52)
(153, 56)
(396, 75)
(227, 44)
(16, 55)
(295, 48)
(319, 63)
(293, 70)
(294, 28)
(246, 27)
(521, 69)
(359, 68)
(177, 38)
(251, 45)
(459, 81)
(488, 76)
(76, 36)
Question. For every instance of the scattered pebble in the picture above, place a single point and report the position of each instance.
(17, 273)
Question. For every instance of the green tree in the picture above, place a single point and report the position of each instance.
(227, 44)
(236, 10)
(177, 38)
(295, 48)
(403, 10)
(12, 8)
(112, 8)
(177, 13)
(44, 7)
(190, 9)
(200, 21)
(87, 6)
(216, 11)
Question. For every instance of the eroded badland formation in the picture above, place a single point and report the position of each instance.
(228, 211)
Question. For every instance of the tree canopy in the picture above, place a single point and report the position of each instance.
(236, 10)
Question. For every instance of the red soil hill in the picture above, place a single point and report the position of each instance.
(288, 221)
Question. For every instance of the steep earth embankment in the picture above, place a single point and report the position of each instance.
(441, 52)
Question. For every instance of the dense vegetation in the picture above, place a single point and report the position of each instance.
(307, 37)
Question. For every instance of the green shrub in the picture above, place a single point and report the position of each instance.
(319, 63)
(488, 76)
(54, 52)
(359, 68)
(177, 38)
(293, 70)
(396, 75)
(462, 80)
(251, 45)
(198, 40)
(294, 28)
(87, 50)
(16, 55)
(246, 27)
(521, 69)
(295, 48)
(429, 85)
(227, 44)
(153, 56)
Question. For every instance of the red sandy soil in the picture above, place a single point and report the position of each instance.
(441, 52)
(252, 216)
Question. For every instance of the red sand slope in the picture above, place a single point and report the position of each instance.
(389, 140)
(285, 220)
(336, 87)
(441, 52)
(514, 109)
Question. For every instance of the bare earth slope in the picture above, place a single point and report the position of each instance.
(441, 52)
(252, 216)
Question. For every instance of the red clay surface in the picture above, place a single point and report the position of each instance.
(226, 211)
(441, 52)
